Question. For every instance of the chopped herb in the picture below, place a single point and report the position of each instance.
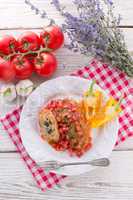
(48, 126)
(65, 119)
(49, 130)
(72, 132)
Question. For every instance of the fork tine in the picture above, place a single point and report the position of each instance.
(49, 165)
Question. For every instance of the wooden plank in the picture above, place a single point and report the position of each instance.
(114, 182)
(16, 13)
(127, 32)
(6, 144)
(126, 145)
(125, 9)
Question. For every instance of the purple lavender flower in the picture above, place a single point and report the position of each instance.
(91, 32)
(94, 32)
(110, 2)
(37, 11)
(56, 4)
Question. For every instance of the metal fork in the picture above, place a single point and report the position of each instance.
(54, 165)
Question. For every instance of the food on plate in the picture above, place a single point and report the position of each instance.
(45, 64)
(48, 126)
(97, 111)
(52, 37)
(28, 41)
(92, 101)
(24, 87)
(7, 72)
(69, 126)
(8, 92)
(22, 66)
(108, 112)
(8, 45)
(66, 124)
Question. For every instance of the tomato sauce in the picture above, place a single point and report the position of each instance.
(74, 130)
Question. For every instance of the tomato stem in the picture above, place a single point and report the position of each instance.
(1, 54)
(45, 49)
(9, 56)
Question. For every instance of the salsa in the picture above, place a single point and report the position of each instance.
(73, 129)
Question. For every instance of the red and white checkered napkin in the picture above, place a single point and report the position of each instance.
(110, 80)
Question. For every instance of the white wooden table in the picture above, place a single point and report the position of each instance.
(114, 182)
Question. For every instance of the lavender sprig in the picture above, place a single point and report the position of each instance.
(94, 32)
(37, 11)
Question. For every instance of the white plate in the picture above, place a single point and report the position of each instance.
(66, 86)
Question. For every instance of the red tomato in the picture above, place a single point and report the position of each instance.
(22, 66)
(52, 37)
(28, 41)
(8, 44)
(7, 72)
(45, 64)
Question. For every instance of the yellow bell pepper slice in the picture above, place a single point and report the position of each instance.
(92, 101)
(99, 99)
(107, 113)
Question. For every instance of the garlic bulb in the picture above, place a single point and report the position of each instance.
(8, 92)
(24, 87)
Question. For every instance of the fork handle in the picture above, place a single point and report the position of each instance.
(102, 162)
